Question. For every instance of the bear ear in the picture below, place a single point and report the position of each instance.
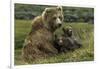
(47, 10)
(59, 8)
(45, 13)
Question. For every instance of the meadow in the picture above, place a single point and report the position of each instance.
(84, 32)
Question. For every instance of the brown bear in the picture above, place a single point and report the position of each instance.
(66, 42)
(39, 42)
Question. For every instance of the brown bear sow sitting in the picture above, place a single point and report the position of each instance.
(39, 43)
(66, 42)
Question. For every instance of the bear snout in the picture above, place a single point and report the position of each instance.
(59, 25)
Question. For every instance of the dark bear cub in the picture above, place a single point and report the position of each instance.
(66, 42)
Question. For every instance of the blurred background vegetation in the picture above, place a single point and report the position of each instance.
(71, 14)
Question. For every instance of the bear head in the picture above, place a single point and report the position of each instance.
(67, 31)
(53, 17)
(58, 40)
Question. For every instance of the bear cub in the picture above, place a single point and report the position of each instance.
(66, 42)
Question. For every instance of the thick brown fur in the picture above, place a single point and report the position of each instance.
(39, 43)
(66, 42)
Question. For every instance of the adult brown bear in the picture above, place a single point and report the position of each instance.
(39, 42)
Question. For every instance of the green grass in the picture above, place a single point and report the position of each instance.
(82, 31)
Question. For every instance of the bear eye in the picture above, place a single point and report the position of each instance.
(60, 17)
(54, 18)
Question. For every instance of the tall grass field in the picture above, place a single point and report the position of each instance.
(84, 32)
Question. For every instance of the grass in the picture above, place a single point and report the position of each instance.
(82, 31)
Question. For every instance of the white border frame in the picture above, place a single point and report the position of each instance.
(76, 3)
